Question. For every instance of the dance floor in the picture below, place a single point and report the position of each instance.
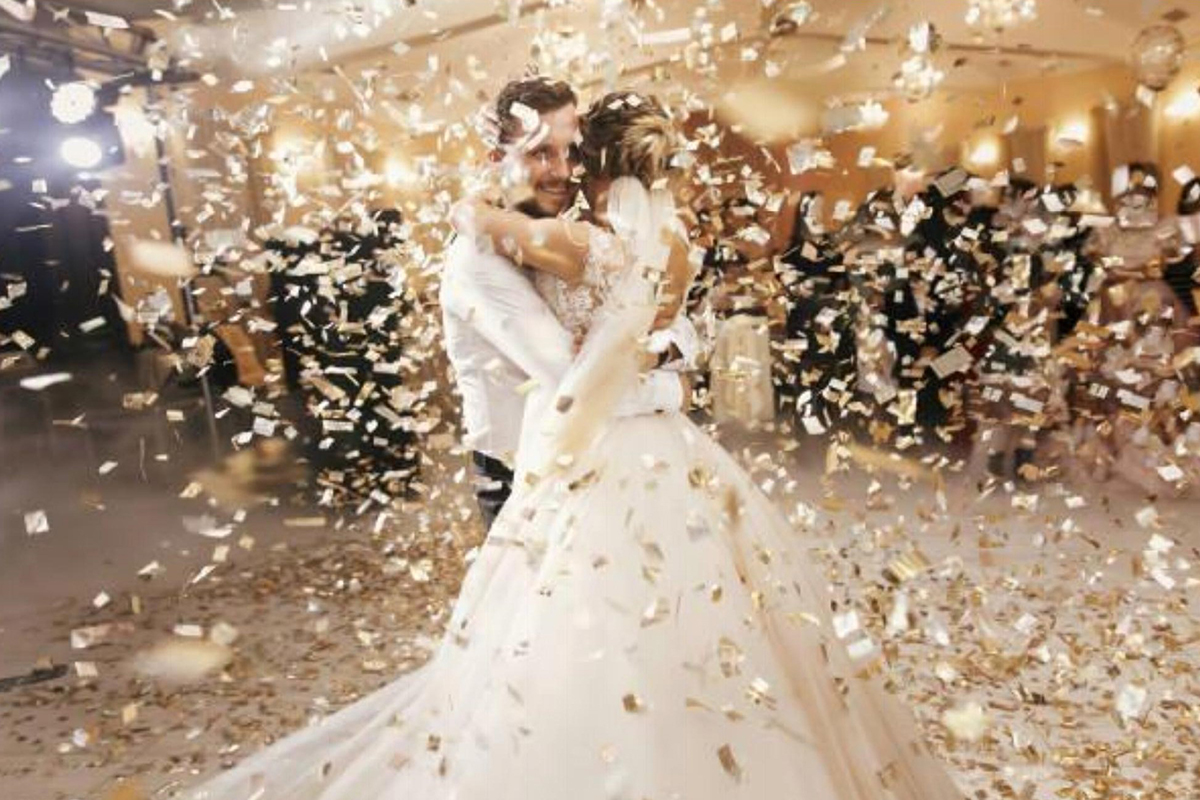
(1041, 632)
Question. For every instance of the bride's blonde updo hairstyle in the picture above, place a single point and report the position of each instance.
(627, 134)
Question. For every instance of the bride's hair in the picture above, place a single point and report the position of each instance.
(626, 134)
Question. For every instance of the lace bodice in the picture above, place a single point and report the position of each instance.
(575, 305)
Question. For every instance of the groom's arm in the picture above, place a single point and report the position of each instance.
(503, 305)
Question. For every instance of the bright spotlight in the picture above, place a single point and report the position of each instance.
(80, 152)
(73, 102)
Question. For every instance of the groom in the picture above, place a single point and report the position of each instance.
(501, 337)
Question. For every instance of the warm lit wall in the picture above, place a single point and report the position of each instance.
(207, 192)
(949, 127)
(1179, 141)
(962, 120)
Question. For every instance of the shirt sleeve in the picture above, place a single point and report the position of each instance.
(503, 305)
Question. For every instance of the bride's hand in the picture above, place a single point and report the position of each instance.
(463, 215)
(468, 214)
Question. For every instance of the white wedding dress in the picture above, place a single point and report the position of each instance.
(641, 624)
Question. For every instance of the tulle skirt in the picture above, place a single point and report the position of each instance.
(644, 626)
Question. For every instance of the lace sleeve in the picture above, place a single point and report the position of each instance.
(607, 365)
(606, 260)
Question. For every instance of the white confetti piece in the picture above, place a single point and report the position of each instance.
(846, 624)
(664, 37)
(36, 522)
(1147, 517)
(1131, 699)
(106, 20)
(181, 660)
(967, 722)
(39, 382)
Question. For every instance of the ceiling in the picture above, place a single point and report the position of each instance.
(448, 49)
(1131, 14)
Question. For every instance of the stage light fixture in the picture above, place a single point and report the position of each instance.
(73, 102)
(81, 152)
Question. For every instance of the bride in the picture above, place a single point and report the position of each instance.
(641, 623)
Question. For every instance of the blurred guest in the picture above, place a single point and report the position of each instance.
(818, 372)
(740, 368)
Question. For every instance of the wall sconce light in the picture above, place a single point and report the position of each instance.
(1072, 133)
(1185, 104)
(399, 174)
(985, 152)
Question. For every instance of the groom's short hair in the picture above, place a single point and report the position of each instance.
(539, 93)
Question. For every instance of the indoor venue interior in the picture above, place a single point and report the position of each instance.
(939, 306)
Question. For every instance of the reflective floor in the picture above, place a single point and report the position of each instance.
(1060, 610)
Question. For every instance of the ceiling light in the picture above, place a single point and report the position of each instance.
(1000, 15)
(73, 102)
(1186, 104)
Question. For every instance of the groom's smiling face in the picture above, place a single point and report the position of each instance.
(549, 160)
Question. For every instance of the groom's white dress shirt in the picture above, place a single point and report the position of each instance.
(500, 335)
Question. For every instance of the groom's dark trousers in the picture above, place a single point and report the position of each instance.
(493, 485)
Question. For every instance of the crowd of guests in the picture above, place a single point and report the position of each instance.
(1032, 325)
(351, 354)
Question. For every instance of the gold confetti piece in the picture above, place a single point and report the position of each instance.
(88, 636)
(728, 762)
(887, 462)
(127, 789)
(905, 567)
(302, 522)
(633, 703)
